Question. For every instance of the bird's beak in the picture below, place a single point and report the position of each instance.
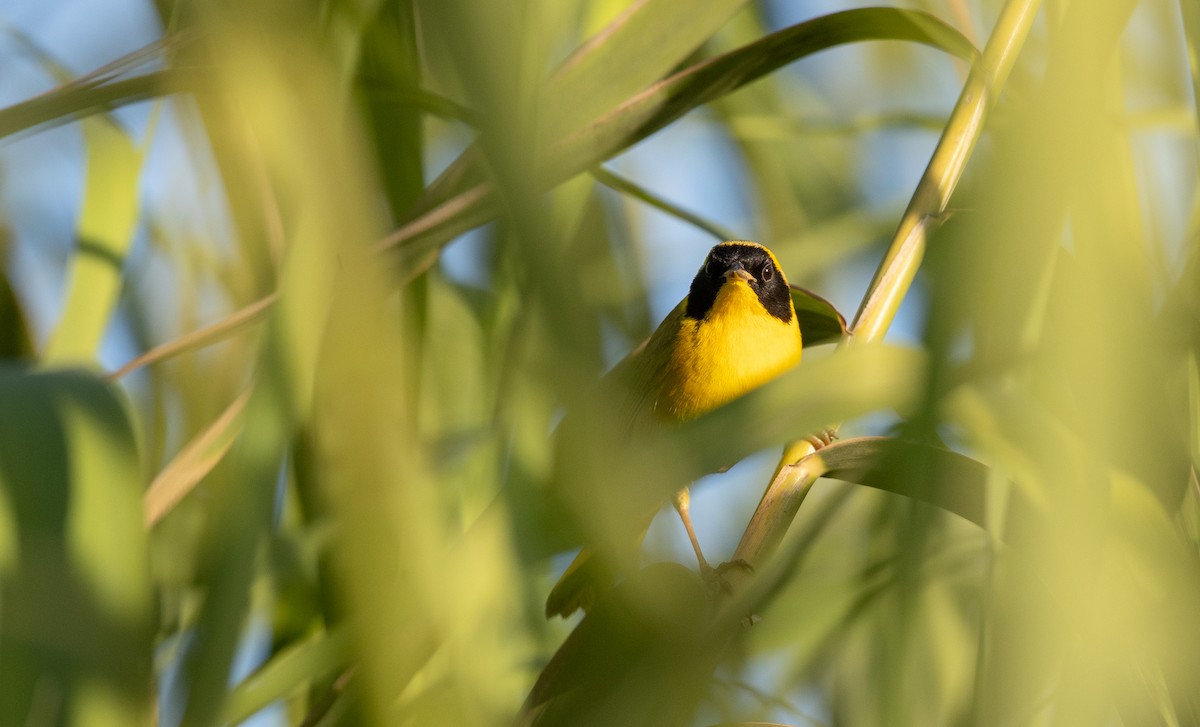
(737, 271)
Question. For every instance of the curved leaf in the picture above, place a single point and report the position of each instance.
(74, 101)
(644, 43)
(628, 478)
(954, 482)
(820, 322)
(99, 91)
(668, 100)
(647, 630)
(460, 201)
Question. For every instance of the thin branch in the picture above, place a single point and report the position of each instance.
(618, 183)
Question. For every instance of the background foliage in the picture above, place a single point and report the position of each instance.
(294, 293)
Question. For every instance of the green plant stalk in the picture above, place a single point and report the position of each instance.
(797, 471)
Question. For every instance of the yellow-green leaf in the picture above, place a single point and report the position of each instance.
(104, 234)
(74, 573)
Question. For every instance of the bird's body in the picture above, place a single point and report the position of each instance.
(730, 351)
(736, 329)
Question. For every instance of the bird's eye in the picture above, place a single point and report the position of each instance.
(768, 272)
(709, 267)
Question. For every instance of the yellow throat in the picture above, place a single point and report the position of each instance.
(734, 347)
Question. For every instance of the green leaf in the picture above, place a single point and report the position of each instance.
(311, 659)
(105, 233)
(820, 322)
(74, 574)
(76, 100)
(97, 92)
(649, 630)
(460, 201)
(954, 482)
(388, 74)
(615, 480)
(639, 47)
(668, 100)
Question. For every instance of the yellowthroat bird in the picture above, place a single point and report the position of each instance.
(736, 329)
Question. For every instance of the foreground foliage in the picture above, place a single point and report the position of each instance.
(329, 453)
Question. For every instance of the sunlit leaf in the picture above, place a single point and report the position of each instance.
(372, 544)
(643, 44)
(75, 576)
(1191, 29)
(313, 658)
(652, 109)
(104, 235)
(455, 210)
(617, 481)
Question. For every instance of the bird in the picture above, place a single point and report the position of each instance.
(735, 330)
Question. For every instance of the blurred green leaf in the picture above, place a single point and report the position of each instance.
(105, 233)
(631, 52)
(650, 38)
(314, 658)
(272, 113)
(388, 78)
(453, 206)
(945, 479)
(75, 101)
(77, 600)
(97, 92)
(652, 109)
(615, 481)
(610, 670)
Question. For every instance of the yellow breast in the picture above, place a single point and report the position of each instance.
(736, 347)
